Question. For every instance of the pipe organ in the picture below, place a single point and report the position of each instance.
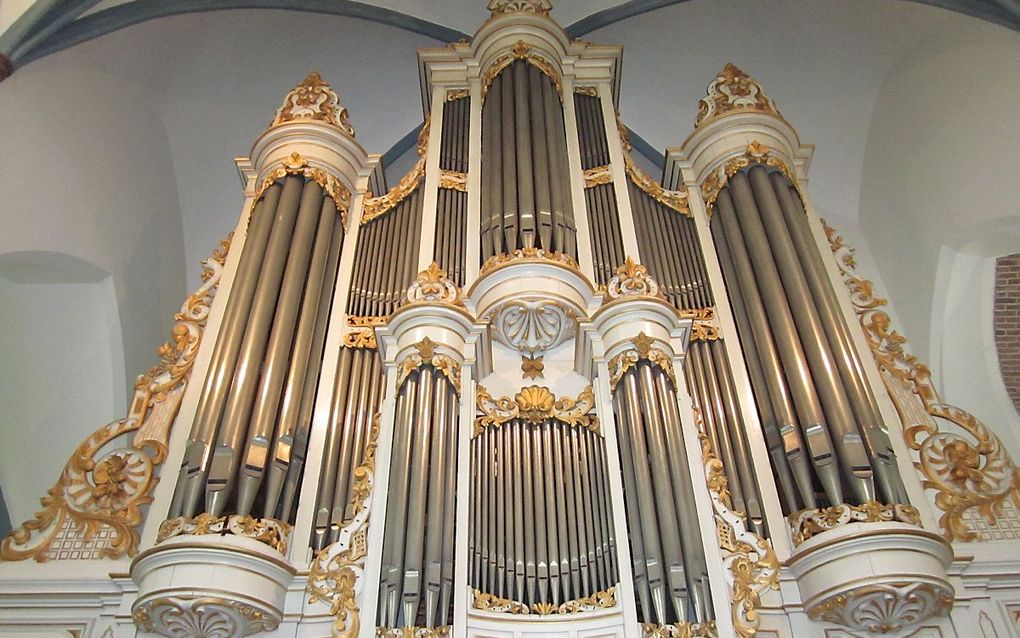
(527, 391)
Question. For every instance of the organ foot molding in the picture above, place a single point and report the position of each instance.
(527, 391)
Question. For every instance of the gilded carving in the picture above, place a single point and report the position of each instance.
(334, 576)
(731, 91)
(376, 206)
(540, 7)
(966, 466)
(453, 180)
(704, 331)
(751, 564)
(359, 321)
(590, 91)
(535, 404)
(884, 609)
(270, 531)
(206, 616)
(413, 632)
(433, 285)
(457, 94)
(425, 354)
(755, 153)
(528, 255)
(532, 367)
(680, 630)
(596, 602)
(314, 99)
(99, 496)
(806, 523)
(597, 175)
(364, 338)
(643, 350)
(632, 280)
(296, 164)
(521, 51)
(677, 200)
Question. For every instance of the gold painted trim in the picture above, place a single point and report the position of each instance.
(705, 331)
(314, 99)
(269, 531)
(535, 404)
(597, 175)
(296, 164)
(676, 200)
(806, 523)
(733, 91)
(360, 321)
(596, 602)
(414, 632)
(532, 255)
(425, 354)
(364, 338)
(755, 153)
(590, 91)
(453, 180)
(376, 206)
(967, 471)
(643, 350)
(631, 280)
(434, 286)
(521, 51)
(103, 493)
(457, 94)
(680, 630)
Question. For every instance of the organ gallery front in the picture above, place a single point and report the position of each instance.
(528, 390)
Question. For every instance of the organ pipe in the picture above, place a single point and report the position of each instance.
(273, 330)
(806, 373)
(525, 176)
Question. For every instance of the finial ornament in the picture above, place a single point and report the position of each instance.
(632, 279)
(541, 7)
(733, 90)
(434, 285)
(314, 99)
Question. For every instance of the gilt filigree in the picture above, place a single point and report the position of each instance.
(755, 153)
(376, 206)
(680, 630)
(676, 200)
(334, 576)
(524, 255)
(643, 349)
(425, 353)
(433, 285)
(453, 180)
(316, 100)
(632, 280)
(750, 562)
(97, 501)
(269, 531)
(597, 175)
(704, 331)
(521, 51)
(596, 602)
(806, 523)
(297, 164)
(535, 404)
(961, 460)
(733, 91)
(364, 338)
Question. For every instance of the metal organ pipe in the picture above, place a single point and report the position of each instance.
(762, 226)
(524, 165)
(451, 212)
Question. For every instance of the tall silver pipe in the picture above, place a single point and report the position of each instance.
(223, 466)
(795, 366)
(413, 540)
(331, 449)
(633, 506)
(224, 355)
(755, 190)
(726, 447)
(449, 505)
(540, 146)
(563, 538)
(435, 516)
(552, 507)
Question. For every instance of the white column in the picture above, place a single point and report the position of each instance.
(618, 169)
(472, 247)
(461, 595)
(430, 196)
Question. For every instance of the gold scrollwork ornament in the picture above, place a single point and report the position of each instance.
(426, 354)
(535, 404)
(99, 496)
(643, 350)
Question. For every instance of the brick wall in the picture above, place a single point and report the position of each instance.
(1007, 323)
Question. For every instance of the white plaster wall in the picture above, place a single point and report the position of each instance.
(939, 196)
(63, 369)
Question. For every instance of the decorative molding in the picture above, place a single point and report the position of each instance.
(413, 632)
(365, 322)
(296, 164)
(677, 200)
(532, 325)
(269, 531)
(643, 350)
(364, 338)
(968, 470)
(499, 7)
(590, 91)
(521, 51)
(887, 608)
(434, 286)
(316, 100)
(632, 280)
(698, 314)
(806, 523)
(425, 354)
(755, 153)
(532, 367)
(524, 255)
(453, 180)
(376, 206)
(334, 576)
(705, 331)
(680, 630)
(751, 564)
(457, 94)
(733, 91)
(597, 175)
(96, 504)
(206, 616)
(596, 602)
(535, 404)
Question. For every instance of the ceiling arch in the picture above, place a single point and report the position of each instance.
(50, 26)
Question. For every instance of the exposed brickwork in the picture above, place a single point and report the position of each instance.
(1007, 323)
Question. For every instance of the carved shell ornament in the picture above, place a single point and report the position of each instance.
(531, 326)
(535, 404)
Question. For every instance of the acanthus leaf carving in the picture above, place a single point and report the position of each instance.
(733, 90)
(314, 99)
(535, 404)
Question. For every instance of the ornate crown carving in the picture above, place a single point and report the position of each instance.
(541, 7)
(733, 90)
(314, 99)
